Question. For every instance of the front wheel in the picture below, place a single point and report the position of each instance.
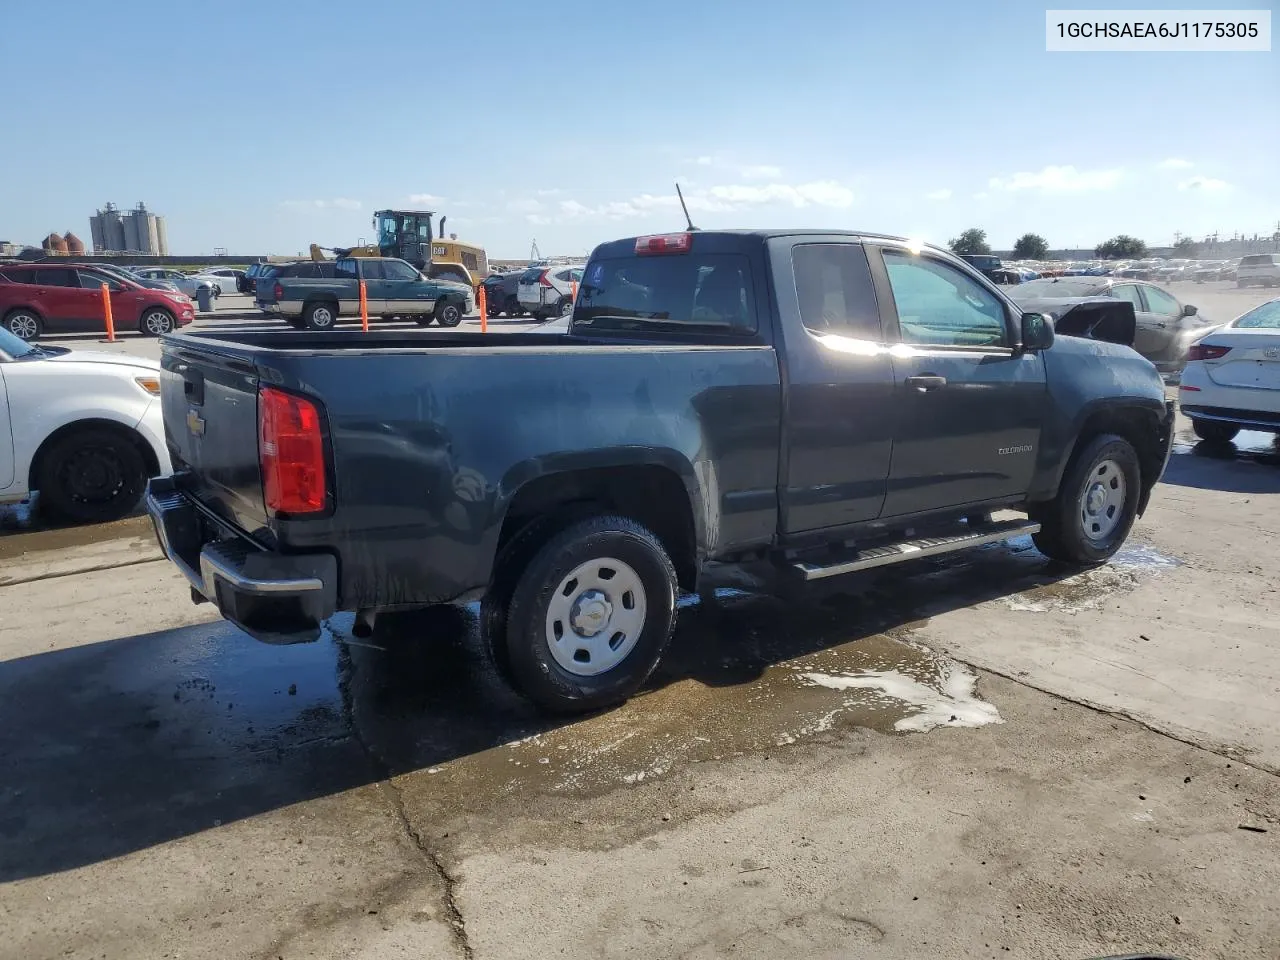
(585, 621)
(1213, 431)
(91, 476)
(447, 314)
(157, 321)
(1096, 504)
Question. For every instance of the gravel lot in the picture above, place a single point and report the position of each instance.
(985, 755)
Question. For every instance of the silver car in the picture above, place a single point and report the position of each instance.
(1166, 327)
(183, 281)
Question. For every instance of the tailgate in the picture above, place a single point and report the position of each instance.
(210, 404)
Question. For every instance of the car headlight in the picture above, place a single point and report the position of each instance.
(149, 384)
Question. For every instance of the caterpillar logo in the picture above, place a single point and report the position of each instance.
(1024, 448)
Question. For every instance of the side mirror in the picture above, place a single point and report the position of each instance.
(1037, 332)
(1188, 310)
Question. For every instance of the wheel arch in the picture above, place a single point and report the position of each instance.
(650, 490)
(123, 430)
(1141, 424)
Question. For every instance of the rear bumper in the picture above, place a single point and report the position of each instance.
(1235, 416)
(273, 597)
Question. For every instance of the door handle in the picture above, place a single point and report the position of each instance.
(926, 382)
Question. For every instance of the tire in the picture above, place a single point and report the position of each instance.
(565, 308)
(320, 315)
(1214, 432)
(1096, 505)
(156, 321)
(91, 476)
(579, 620)
(24, 324)
(447, 313)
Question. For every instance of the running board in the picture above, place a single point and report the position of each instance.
(914, 549)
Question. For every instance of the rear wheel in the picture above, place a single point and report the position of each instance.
(24, 324)
(1213, 431)
(156, 321)
(91, 476)
(448, 313)
(1096, 505)
(321, 316)
(579, 621)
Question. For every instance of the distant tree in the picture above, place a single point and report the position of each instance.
(1185, 247)
(972, 241)
(1030, 246)
(1121, 247)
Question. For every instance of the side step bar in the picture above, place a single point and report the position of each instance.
(913, 549)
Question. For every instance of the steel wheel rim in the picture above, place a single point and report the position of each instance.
(158, 322)
(595, 617)
(92, 475)
(1102, 500)
(24, 326)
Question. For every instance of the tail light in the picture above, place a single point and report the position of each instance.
(664, 243)
(278, 292)
(1201, 351)
(291, 450)
(542, 278)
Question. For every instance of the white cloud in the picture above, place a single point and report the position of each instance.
(1064, 179)
(338, 203)
(1205, 185)
(943, 194)
(525, 206)
(553, 192)
(820, 193)
(704, 161)
(982, 196)
(1175, 163)
(762, 171)
(425, 198)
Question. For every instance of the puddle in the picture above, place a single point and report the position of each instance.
(949, 702)
(1255, 446)
(23, 530)
(1091, 588)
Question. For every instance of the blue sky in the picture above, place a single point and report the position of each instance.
(261, 127)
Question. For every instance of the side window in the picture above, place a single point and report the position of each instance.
(57, 278)
(1160, 302)
(94, 281)
(398, 270)
(1127, 291)
(345, 269)
(940, 306)
(470, 262)
(563, 276)
(371, 270)
(833, 284)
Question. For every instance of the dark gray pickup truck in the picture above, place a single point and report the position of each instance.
(824, 402)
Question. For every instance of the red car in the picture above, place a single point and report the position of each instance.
(39, 298)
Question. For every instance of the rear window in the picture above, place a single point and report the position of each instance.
(531, 275)
(1265, 317)
(710, 293)
(1257, 260)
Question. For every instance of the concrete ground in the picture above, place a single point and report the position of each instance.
(984, 755)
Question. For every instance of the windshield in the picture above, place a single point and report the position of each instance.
(15, 347)
(1265, 317)
(1055, 287)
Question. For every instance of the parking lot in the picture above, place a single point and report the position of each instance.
(985, 754)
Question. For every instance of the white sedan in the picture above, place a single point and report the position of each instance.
(82, 428)
(186, 282)
(1232, 378)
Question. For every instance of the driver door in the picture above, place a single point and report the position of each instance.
(6, 436)
(1154, 331)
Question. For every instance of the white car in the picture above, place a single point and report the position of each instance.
(548, 291)
(1260, 268)
(1232, 378)
(188, 284)
(82, 428)
(224, 280)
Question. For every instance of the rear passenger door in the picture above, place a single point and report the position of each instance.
(1151, 334)
(967, 404)
(66, 302)
(839, 385)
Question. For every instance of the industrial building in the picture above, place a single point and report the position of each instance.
(129, 231)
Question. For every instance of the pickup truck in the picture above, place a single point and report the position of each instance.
(820, 402)
(393, 288)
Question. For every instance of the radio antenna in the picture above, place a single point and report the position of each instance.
(687, 218)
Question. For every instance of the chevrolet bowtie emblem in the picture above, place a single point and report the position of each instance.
(195, 423)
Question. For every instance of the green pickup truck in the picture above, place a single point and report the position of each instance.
(393, 288)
